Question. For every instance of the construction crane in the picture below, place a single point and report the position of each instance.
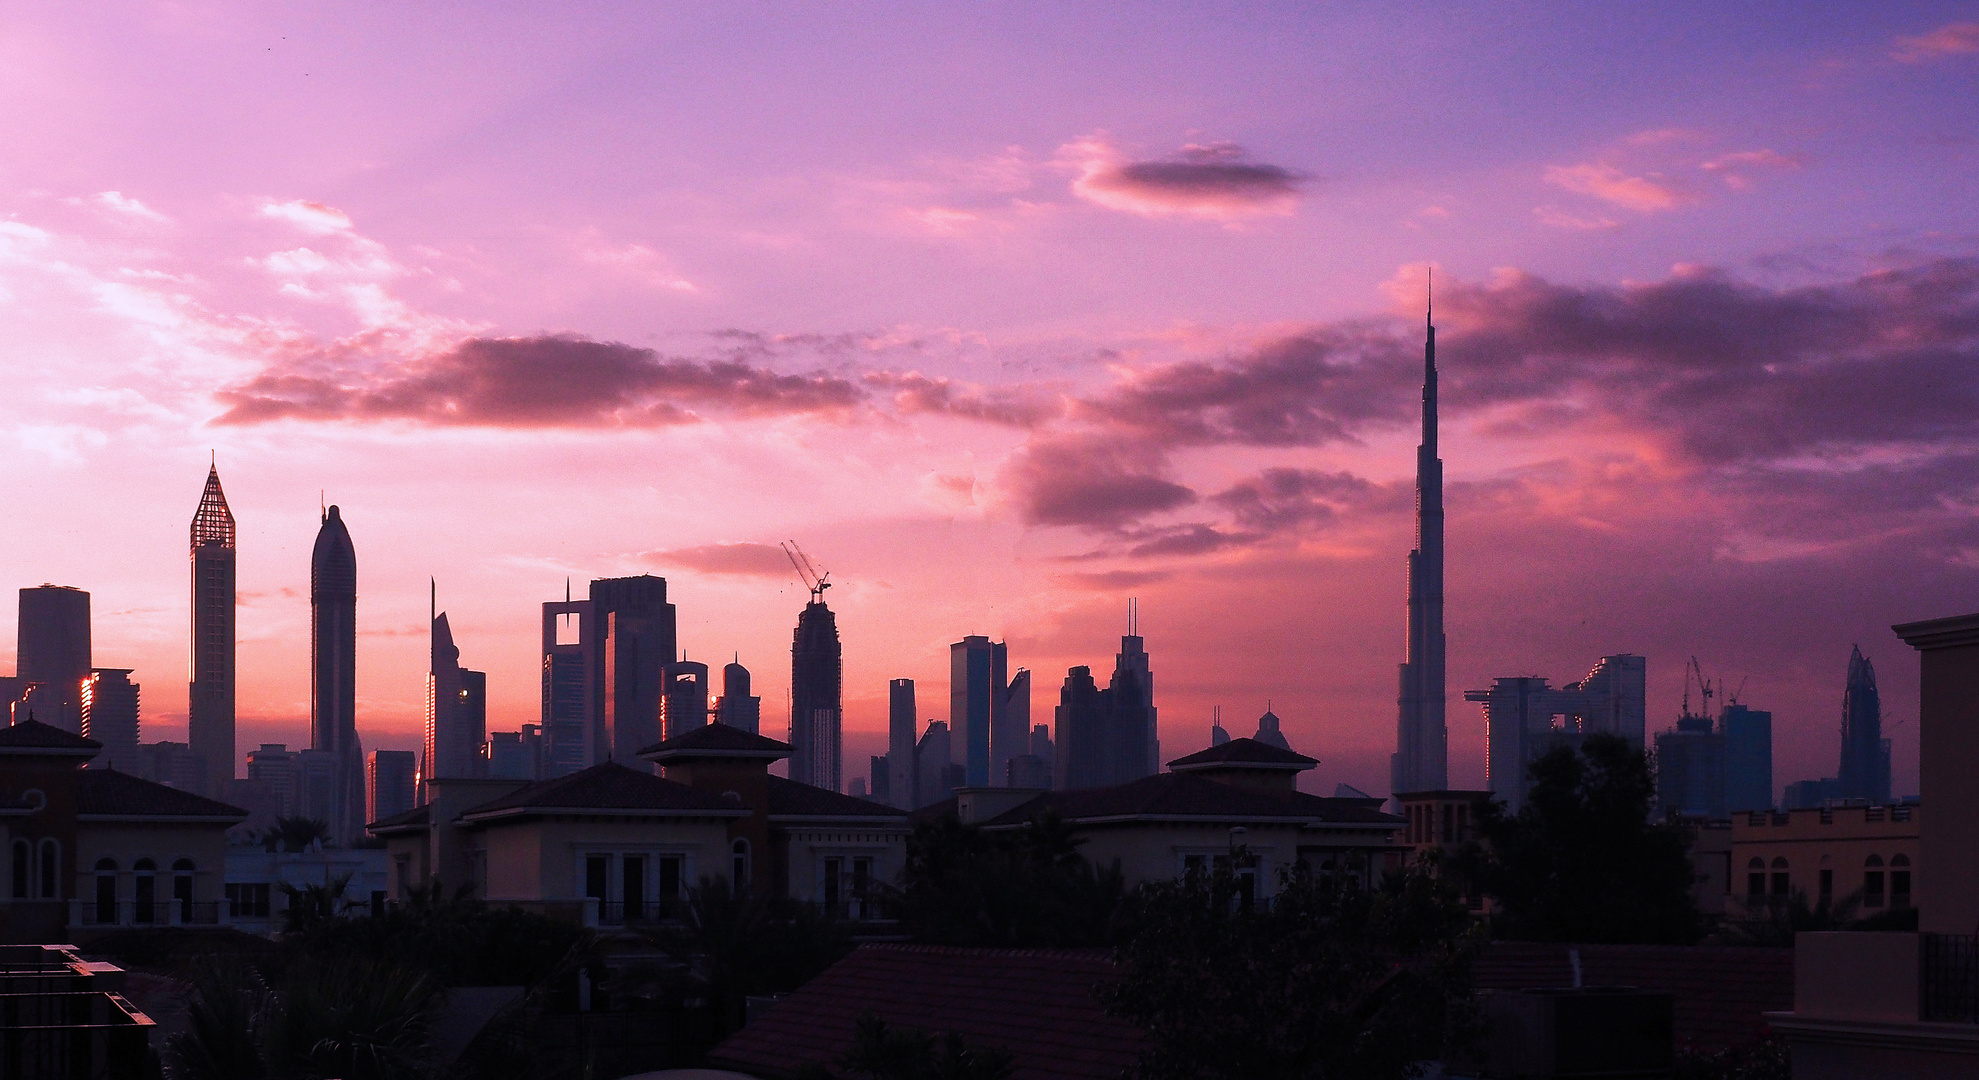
(1703, 685)
(808, 574)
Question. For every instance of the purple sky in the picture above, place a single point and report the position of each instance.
(1006, 314)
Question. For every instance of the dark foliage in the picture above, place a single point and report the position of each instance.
(295, 834)
(1775, 925)
(735, 945)
(459, 940)
(1764, 1060)
(345, 1017)
(1021, 888)
(1328, 980)
(882, 1052)
(1581, 861)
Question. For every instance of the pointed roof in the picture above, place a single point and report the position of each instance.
(333, 562)
(788, 798)
(213, 522)
(1244, 754)
(1181, 796)
(32, 738)
(716, 740)
(107, 793)
(606, 788)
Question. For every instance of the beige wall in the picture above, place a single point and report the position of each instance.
(1841, 845)
(807, 848)
(543, 858)
(1157, 851)
(164, 844)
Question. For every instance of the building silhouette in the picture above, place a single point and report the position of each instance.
(210, 693)
(900, 743)
(1748, 758)
(172, 764)
(571, 666)
(508, 755)
(1865, 764)
(388, 783)
(882, 779)
(333, 682)
(1690, 769)
(635, 632)
(1082, 760)
(737, 707)
(976, 702)
(1137, 742)
(935, 775)
(456, 708)
(52, 649)
(684, 703)
(1046, 753)
(816, 668)
(1421, 761)
(1010, 734)
(1268, 731)
(109, 716)
(1524, 718)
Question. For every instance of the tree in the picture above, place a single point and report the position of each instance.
(1325, 980)
(346, 1017)
(882, 1052)
(312, 905)
(738, 944)
(295, 834)
(1018, 888)
(1581, 860)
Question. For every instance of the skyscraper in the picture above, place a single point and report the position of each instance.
(1010, 735)
(976, 700)
(635, 631)
(1081, 758)
(684, 703)
(1865, 766)
(1519, 715)
(1748, 758)
(737, 707)
(388, 783)
(816, 668)
(901, 724)
(456, 707)
(52, 648)
(571, 666)
(1136, 742)
(1421, 736)
(333, 676)
(210, 692)
(109, 715)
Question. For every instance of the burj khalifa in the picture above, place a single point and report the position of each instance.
(1421, 762)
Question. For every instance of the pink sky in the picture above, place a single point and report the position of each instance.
(1007, 314)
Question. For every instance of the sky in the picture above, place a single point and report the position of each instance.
(1007, 313)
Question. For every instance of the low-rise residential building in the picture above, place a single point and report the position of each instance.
(1827, 854)
(255, 893)
(611, 844)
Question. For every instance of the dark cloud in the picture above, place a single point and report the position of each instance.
(535, 382)
(1282, 499)
(762, 560)
(1217, 180)
(1095, 484)
(1111, 580)
(913, 392)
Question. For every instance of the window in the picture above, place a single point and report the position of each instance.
(182, 888)
(106, 892)
(247, 900)
(833, 867)
(1827, 885)
(1782, 883)
(1872, 882)
(1755, 879)
(632, 886)
(862, 882)
(403, 865)
(1900, 881)
(670, 877)
(144, 891)
(51, 869)
(739, 865)
(1449, 824)
(1463, 822)
(597, 873)
(1192, 864)
(23, 861)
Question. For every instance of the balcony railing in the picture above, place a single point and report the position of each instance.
(153, 913)
(1951, 978)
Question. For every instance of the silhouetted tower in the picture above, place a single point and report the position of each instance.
(635, 634)
(1134, 734)
(815, 671)
(738, 708)
(1082, 760)
(109, 715)
(1421, 737)
(210, 692)
(333, 670)
(52, 648)
(903, 779)
(456, 707)
(684, 704)
(1865, 767)
(977, 695)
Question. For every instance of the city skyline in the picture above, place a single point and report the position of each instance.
(1700, 395)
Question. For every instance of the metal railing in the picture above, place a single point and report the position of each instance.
(1950, 978)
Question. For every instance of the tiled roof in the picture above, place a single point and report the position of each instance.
(415, 816)
(607, 786)
(1244, 752)
(1188, 795)
(788, 797)
(112, 793)
(715, 739)
(32, 734)
(1720, 990)
(1038, 1004)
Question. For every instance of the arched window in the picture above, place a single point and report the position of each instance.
(1827, 880)
(1900, 881)
(1872, 881)
(739, 853)
(23, 870)
(1782, 881)
(106, 892)
(144, 891)
(1755, 878)
(182, 888)
(51, 869)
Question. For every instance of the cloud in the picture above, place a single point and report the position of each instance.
(124, 204)
(758, 560)
(913, 392)
(1610, 184)
(313, 218)
(528, 382)
(1216, 181)
(1112, 580)
(1737, 169)
(1279, 499)
(1561, 219)
(1952, 39)
(1091, 483)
